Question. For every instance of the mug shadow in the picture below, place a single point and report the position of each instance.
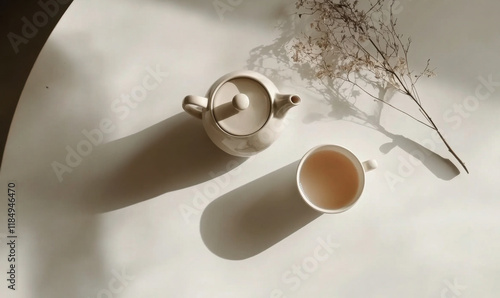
(254, 217)
(171, 155)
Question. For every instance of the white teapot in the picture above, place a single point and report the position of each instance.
(242, 112)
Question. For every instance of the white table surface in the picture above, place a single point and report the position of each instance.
(156, 210)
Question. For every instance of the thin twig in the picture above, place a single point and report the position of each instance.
(347, 39)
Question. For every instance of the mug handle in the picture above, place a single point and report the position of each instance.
(194, 105)
(370, 165)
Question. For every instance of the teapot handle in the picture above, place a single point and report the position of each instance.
(194, 105)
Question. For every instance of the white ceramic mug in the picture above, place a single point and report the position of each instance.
(331, 178)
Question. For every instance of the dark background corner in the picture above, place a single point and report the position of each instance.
(24, 28)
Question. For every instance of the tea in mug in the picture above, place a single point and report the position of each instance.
(329, 179)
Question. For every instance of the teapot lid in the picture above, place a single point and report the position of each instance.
(241, 106)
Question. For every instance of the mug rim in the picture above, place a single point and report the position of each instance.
(352, 157)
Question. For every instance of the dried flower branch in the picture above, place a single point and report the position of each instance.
(347, 43)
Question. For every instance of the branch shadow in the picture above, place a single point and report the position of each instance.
(254, 217)
(441, 167)
(274, 60)
(171, 155)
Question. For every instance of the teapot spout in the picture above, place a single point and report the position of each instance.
(284, 102)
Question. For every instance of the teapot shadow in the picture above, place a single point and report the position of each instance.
(171, 155)
(254, 217)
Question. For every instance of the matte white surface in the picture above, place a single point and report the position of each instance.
(124, 206)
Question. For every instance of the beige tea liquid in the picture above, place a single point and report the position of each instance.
(329, 179)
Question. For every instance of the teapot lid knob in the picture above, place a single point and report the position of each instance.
(240, 102)
(241, 106)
